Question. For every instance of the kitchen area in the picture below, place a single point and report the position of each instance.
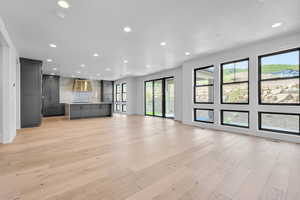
(44, 95)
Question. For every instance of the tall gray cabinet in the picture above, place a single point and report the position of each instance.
(51, 105)
(107, 91)
(31, 92)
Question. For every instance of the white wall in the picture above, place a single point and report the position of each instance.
(252, 51)
(177, 74)
(9, 77)
(131, 94)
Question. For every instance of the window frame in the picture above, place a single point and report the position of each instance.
(122, 92)
(237, 82)
(123, 108)
(117, 107)
(208, 109)
(118, 100)
(234, 125)
(274, 79)
(195, 85)
(274, 130)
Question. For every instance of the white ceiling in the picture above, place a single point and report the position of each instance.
(89, 26)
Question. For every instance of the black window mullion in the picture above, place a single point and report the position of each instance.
(275, 79)
(238, 82)
(235, 125)
(195, 115)
(204, 85)
(234, 82)
(201, 85)
(276, 130)
(280, 78)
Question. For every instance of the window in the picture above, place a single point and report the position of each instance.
(279, 122)
(124, 108)
(204, 115)
(124, 92)
(118, 107)
(235, 118)
(235, 82)
(204, 85)
(279, 78)
(118, 93)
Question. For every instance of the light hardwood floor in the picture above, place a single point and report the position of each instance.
(143, 158)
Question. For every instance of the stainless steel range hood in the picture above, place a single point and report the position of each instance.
(81, 85)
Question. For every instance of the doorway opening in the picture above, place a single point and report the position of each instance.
(160, 97)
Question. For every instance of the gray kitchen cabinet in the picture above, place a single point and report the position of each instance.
(86, 110)
(31, 92)
(51, 105)
(107, 91)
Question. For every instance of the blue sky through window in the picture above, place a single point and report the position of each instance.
(291, 58)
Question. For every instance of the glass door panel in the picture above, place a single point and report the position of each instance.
(149, 98)
(158, 98)
(169, 97)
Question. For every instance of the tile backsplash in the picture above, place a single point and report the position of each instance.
(67, 95)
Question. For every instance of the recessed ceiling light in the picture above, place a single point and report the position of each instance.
(276, 25)
(187, 53)
(148, 66)
(54, 69)
(107, 69)
(52, 45)
(52, 74)
(73, 76)
(49, 60)
(125, 61)
(127, 29)
(163, 44)
(95, 54)
(63, 4)
(78, 72)
(82, 65)
(61, 15)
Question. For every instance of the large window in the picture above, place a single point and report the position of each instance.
(124, 108)
(279, 78)
(279, 122)
(118, 93)
(235, 82)
(204, 115)
(235, 118)
(117, 107)
(124, 92)
(204, 85)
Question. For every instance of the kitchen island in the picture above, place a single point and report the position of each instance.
(88, 110)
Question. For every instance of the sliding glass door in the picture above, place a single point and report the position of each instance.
(169, 97)
(159, 97)
(149, 98)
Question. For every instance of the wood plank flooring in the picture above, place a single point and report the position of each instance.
(144, 158)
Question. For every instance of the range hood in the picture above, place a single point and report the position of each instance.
(81, 85)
